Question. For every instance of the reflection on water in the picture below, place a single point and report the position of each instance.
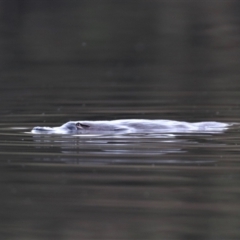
(130, 149)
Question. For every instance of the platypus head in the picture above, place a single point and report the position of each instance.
(69, 127)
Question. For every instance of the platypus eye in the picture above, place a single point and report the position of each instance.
(81, 125)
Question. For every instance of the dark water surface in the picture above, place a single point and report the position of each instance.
(103, 60)
(137, 186)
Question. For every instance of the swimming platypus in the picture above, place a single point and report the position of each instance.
(132, 126)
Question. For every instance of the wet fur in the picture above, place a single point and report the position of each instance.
(132, 126)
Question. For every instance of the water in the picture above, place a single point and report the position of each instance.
(102, 60)
(134, 186)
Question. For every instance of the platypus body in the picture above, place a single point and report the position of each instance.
(131, 126)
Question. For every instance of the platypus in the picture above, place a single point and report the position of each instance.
(132, 126)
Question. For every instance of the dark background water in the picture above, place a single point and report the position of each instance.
(69, 60)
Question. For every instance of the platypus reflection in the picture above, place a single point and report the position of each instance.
(132, 126)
